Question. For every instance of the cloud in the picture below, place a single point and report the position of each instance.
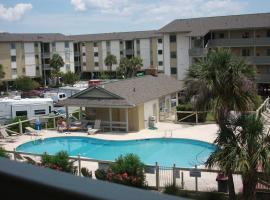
(14, 13)
(160, 11)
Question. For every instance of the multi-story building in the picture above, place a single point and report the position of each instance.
(29, 54)
(248, 36)
(172, 49)
(91, 50)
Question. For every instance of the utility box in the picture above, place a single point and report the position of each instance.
(152, 122)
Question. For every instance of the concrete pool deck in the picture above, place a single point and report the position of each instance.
(206, 133)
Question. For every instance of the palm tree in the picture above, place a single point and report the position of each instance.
(128, 67)
(110, 60)
(2, 73)
(56, 62)
(135, 63)
(249, 147)
(225, 83)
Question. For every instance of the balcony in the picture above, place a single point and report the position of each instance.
(263, 78)
(198, 52)
(46, 67)
(129, 52)
(45, 54)
(258, 60)
(239, 42)
(77, 63)
(77, 53)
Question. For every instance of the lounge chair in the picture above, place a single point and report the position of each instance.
(4, 134)
(95, 129)
(27, 159)
(31, 131)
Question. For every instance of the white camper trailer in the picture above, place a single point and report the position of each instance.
(55, 96)
(11, 108)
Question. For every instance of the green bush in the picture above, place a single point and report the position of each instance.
(3, 153)
(171, 189)
(188, 107)
(16, 127)
(70, 78)
(86, 173)
(59, 161)
(25, 83)
(127, 170)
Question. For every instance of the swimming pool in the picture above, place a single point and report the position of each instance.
(165, 151)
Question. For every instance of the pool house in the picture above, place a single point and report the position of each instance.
(127, 105)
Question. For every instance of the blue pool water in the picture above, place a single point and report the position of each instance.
(165, 151)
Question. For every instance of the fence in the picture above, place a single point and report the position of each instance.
(157, 176)
(263, 107)
(189, 115)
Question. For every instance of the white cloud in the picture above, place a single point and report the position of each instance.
(160, 11)
(14, 13)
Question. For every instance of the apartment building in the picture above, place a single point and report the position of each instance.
(23, 54)
(91, 50)
(248, 36)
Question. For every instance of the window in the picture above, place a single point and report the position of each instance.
(84, 63)
(66, 44)
(172, 38)
(245, 35)
(50, 109)
(21, 113)
(95, 44)
(138, 52)
(13, 46)
(160, 63)
(83, 53)
(83, 44)
(268, 52)
(268, 33)
(96, 64)
(36, 44)
(159, 52)
(221, 35)
(23, 70)
(173, 70)
(96, 54)
(245, 52)
(36, 56)
(53, 44)
(138, 42)
(108, 43)
(121, 42)
(13, 58)
(159, 40)
(121, 52)
(40, 112)
(173, 54)
(37, 67)
(14, 71)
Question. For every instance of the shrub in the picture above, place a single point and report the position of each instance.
(3, 153)
(70, 78)
(127, 170)
(171, 189)
(25, 83)
(59, 162)
(101, 174)
(184, 107)
(86, 173)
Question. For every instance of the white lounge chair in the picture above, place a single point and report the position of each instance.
(4, 134)
(31, 131)
(96, 127)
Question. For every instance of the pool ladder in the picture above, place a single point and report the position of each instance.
(168, 134)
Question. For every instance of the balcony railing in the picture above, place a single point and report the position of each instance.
(129, 51)
(77, 63)
(25, 180)
(263, 78)
(239, 42)
(77, 53)
(45, 55)
(198, 52)
(46, 67)
(258, 60)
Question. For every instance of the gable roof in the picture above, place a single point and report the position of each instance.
(116, 36)
(33, 37)
(127, 93)
(201, 26)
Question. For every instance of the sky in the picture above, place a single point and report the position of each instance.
(98, 16)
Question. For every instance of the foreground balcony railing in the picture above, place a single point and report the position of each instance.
(198, 52)
(258, 60)
(25, 180)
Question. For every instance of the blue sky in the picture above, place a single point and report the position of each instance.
(96, 16)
